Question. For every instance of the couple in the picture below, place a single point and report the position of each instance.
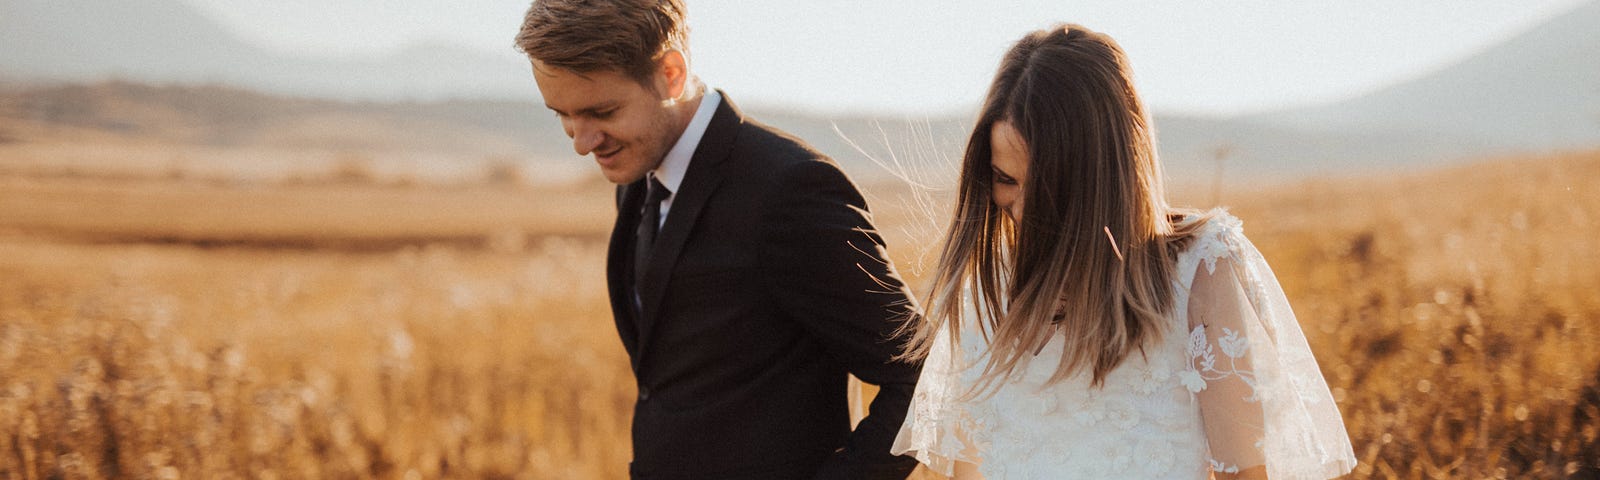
(1076, 327)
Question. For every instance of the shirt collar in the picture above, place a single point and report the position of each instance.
(676, 163)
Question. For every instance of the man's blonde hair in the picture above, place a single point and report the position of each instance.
(625, 36)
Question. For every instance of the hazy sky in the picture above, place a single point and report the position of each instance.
(1189, 56)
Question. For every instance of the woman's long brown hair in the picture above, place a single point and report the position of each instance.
(1092, 257)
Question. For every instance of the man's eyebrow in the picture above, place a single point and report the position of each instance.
(589, 111)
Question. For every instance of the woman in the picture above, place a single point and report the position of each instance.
(1078, 327)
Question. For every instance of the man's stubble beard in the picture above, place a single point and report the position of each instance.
(661, 138)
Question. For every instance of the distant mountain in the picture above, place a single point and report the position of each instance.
(216, 116)
(166, 41)
(1234, 151)
(219, 116)
(148, 40)
(1538, 91)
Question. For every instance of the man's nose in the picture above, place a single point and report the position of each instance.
(586, 138)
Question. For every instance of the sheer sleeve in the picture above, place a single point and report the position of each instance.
(940, 427)
(1262, 397)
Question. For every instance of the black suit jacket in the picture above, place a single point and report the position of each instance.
(767, 284)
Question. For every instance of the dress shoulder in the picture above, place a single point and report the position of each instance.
(1215, 234)
(1260, 390)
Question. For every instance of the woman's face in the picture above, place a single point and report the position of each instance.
(1008, 157)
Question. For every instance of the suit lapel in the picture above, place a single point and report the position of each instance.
(699, 183)
(619, 262)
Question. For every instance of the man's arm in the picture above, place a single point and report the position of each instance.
(834, 277)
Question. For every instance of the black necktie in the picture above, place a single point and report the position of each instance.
(649, 224)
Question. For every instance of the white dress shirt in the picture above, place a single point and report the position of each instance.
(676, 163)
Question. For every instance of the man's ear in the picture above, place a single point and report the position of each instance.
(672, 74)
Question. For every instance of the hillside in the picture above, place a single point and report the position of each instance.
(220, 117)
(1536, 92)
(169, 41)
(227, 117)
(1539, 89)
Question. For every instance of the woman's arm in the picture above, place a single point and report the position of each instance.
(1224, 341)
(1265, 407)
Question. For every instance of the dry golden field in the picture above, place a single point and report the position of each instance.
(169, 326)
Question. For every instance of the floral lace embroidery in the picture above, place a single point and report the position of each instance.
(1145, 421)
(1234, 346)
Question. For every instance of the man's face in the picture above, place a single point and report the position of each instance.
(625, 125)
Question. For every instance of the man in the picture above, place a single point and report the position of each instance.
(746, 277)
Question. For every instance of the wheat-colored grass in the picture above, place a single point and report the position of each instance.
(174, 328)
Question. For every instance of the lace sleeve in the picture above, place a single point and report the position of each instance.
(939, 424)
(1262, 397)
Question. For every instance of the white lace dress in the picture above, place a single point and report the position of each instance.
(1230, 385)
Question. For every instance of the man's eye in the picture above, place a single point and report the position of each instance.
(604, 115)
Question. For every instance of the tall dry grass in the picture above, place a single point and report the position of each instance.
(1453, 313)
(164, 361)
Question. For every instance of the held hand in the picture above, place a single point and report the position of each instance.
(966, 471)
(1258, 472)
